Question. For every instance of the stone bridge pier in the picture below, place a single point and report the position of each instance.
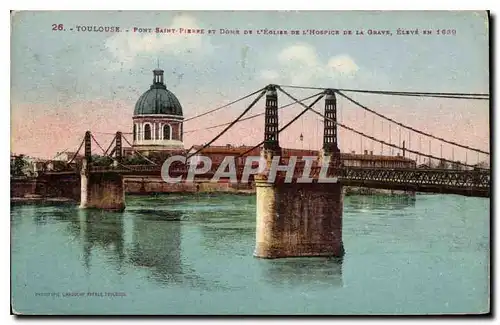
(101, 190)
(298, 219)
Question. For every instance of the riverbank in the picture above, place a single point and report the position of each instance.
(41, 200)
(349, 191)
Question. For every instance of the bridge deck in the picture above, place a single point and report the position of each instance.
(463, 182)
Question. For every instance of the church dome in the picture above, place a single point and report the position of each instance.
(158, 99)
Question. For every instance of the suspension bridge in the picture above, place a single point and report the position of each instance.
(297, 219)
(459, 178)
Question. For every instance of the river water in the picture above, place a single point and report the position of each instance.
(403, 256)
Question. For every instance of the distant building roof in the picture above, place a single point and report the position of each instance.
(67, 155)
(228, 150)
(287, 152)
(355, 156)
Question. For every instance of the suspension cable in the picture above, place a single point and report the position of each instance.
(109, 147)
(409, 127)
(249, 117)
(76, 153)
(230, 125)
(103, 151)
(110, 133)
(286, 125)
(368, 136)
(106, 155)
(224, 106)
(60, 153)
(403, 93)
(419, 95)
(140, 154)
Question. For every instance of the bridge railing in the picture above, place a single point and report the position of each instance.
(156, 169)
(128, 168)
(443, 177)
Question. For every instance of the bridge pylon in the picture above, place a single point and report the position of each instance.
(99, 190)
(271, 126)
(118, 148)
(330, 130)
(88, 147)
(293, 219)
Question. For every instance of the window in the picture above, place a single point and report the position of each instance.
(135, 130)
(166, 132)
(147, 132)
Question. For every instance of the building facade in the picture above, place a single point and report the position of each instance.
(218, 153)
(158, 132)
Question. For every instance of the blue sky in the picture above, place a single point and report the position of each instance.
(424, 63)
(59, 72)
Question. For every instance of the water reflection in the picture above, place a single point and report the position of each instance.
(157, 246)
(140, 237)
(99, 229)
(378, 202)
(155, 239)
(420, 259)
(222, 220)
(44, 215)
(30, 211)
(158, 215)
(307, 271)
(227, 229)
(93, 229)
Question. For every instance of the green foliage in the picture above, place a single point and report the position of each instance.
(135, 160)
(101, 160)
(17, 166)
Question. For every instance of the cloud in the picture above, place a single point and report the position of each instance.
(269, 75)
(301, 64)
(126, 47)
(302, 54)
(343, 64)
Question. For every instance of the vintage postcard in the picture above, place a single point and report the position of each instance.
(250, 163)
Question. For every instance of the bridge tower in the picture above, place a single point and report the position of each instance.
(271, 136)
(118, 149)
(293, 219)
(330, 135)
(88, 147)
(330, 156)
(118, 146)
(100, 190)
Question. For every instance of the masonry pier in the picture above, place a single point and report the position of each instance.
(297, 219)
(100, 190)
(106, 191)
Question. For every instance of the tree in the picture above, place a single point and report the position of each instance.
(101, 160)
(17, 166)
(135, 160)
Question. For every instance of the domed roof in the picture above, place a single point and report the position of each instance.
(158, 99)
